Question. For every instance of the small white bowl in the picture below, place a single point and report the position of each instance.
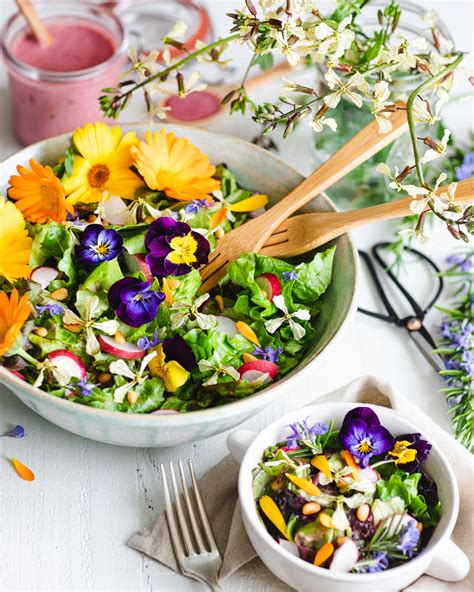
(441, 558)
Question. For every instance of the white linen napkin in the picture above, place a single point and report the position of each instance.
(220, 495)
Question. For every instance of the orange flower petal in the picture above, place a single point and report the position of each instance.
(250, 203)
(326, 520)
(167, 291)
(321, 462)
(324, 553)
(348, 458)
(273, 513)
(217, 218)
(247, 332)
(25, 473)
(220, 302)
(304, 484)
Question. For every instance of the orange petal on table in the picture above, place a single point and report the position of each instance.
(324, 553)
(167, 291)
(347, 457)
(273, 513)
(325, 520)
(250, 203)
(304, 484)
(247, 332)
(220, 302)
(22, 470)
(321, 462)
(217, 218)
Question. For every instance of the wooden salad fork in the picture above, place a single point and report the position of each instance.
(251, 236)
(307, 231)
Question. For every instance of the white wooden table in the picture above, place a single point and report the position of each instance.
(67, 531)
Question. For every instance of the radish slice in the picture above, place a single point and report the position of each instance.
(137, 263)
(18, 374)
(256, 369)
(345, 557)
(289, 546)
(227, 326)
(127, 351)
(68, 364)
(115, 210)
(44, 275)
(269, 284)
(368, 475)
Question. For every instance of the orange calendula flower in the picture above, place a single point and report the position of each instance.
(103, 164)
(15, 244)
(175, 166)
(39, 194)
(13, 315)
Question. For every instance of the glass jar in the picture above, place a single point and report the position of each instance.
(364, 186)
(46, 102)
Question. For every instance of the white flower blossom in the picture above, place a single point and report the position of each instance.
(440, 150)
(121, 368)
(379, 103)
(440, 203)
(339, 517)
(422, 112)
(181, 313)
(334, 41)
(405, 54)
(342, 87)
(217, 370)
(273, 324)
(178, 30)
(189, 86)
(317, 123)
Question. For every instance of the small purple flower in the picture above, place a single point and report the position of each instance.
(17, 432)
(465, 261)
(466, 169)
(134, 302)
(268, 353)
(379, 562)
(173, 248)
(147, 343)
(98, 244)
(362, 434)
(194, 206)
(304, 432)
(84, 388)
(290, 275)
(53, 309)
(409, 451)
(409, 539)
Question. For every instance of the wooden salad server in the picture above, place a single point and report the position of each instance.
(251, 236)
(307, 231)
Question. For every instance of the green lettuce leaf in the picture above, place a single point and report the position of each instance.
(98, 283)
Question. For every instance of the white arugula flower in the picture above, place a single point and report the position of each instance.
(346, 88)
(273, 324)
(182, 313)
(438, 149)
(318, 123)
(440, 202)
(121, 368)
(334, 41)
(379, 104)
(339, 517)
(217, 370)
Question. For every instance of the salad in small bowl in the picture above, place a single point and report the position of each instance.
(348, 497)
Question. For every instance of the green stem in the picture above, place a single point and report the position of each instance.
(411, 120)
(26, 356)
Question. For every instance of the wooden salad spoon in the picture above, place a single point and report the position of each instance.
(307, 231)
(35, 24)
(251, 236)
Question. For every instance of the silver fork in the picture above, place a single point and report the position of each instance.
(197, 556)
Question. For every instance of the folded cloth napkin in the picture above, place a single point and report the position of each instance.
(220, 495)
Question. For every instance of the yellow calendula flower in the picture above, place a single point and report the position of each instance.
(15, 244)
(175, 166)
(171, 372)
(103, 164)
(39, 194)
(13, 315)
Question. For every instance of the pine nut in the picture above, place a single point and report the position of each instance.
(41, 331)
(132, 397)
(91, 218)
(341, 540)
(105, 377)
(363, 512)
(119, 337)
(60, 294)
(219, 232)
(310, 508)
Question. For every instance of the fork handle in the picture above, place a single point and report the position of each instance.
(360, 148)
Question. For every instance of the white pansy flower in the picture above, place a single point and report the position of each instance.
(273, 324)
(121, 368)
(439, 149)
(334, 41)
(346, 88)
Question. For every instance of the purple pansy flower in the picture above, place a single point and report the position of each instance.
(194, 206)
(17, 432)
(409, 539)
(268, 353)
(301, 430)
(173, 248)
(53, 309)
(134, 302)
(290, 275)
(409, 451)
(98, 244)
(362, 434)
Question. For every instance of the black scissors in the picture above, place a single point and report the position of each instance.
(413, 323)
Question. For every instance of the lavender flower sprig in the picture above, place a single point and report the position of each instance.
(457, 347)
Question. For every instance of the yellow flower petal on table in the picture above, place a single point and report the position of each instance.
(321, 462)
(324, 553)
(23, 471)
(249, 204)
(15, 244)
(247, 332)
(307, 486)
(13, 315)
(103, 164)
(174, 166)
(273, 513)
(39, 194)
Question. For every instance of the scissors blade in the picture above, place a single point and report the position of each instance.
(426, 351)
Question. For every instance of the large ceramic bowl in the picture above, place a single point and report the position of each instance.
(258, 170)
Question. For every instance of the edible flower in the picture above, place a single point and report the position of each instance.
(362, 434)
(173, 248)
(173, 362)
(409, 539)
(83, 387)
(17, 432)
(289, 275)
(194, 206)
(307, 486)
(23, 471)
(181, 313)
(51, 307)
(89, 324)
(273, 513)
(98, 244)
(174, 166)
(302, 431)
(409, 450)
(217, 370)
(148, 343)
(247, 332)
(13, 315)
(15, 244)
(273, 324)
(268, 353)
(121, 368)
(38, 194)
(134, 302)
(103, 164)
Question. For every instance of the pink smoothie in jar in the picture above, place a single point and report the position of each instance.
(55, 88)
